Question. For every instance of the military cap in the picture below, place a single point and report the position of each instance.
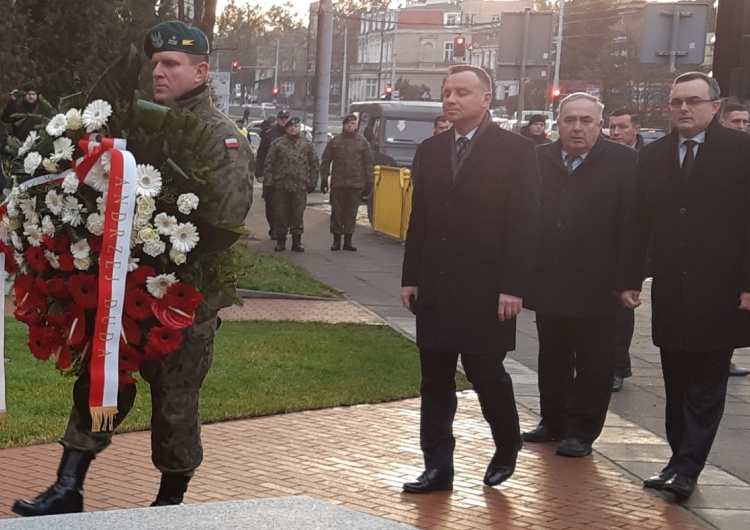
(292, 121)
(349, 117)
(175, 36)
(283, 114)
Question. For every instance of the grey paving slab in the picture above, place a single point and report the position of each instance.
(724, 519)
(298, 513)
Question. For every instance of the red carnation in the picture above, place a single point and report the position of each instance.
(95, 243)
(84, 289)
(164, 340)
(138, 304)
(39, 342)
(183, 296)
(58, 288)
(66, 262)
(140, 274)
(36, 259)
(62, 243)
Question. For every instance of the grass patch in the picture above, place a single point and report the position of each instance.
(259, 368)
(265, 272)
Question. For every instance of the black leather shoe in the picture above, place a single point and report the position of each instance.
(735, 371)
(542, 434)
(172, 489)
(348, 243)
(681, 486)
(499, 470)
(617, 383)
(574, 448)
(336, 242)
(430, 480)
(656, 482)
(280, 244)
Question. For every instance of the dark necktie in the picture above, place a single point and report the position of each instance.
(569, 159)
(462, 145)
(687, 162)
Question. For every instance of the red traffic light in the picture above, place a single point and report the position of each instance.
(460, 40)
(459, 46)
(275, 90)
(236, 66)
(388, 89)
(556, 92)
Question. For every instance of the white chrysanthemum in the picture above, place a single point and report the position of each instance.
(133, 263)
(165, 224)
(75, 121)
(57, 125)
(16, 240)
(28, 208)
(82, 264)
(54, 261)
(50, 166)
(145, 207)
(149, 180)
(28, 143)
(48, 227)
(54, 202)
(63, 149)
(178, 258)
(157, 285)
(187, 202)
(32, 161)
(96, 114)
(70, 183)
(106, 161)
(71, 211)
(155, 248)
(101, 204)
(184, 237)
(33, 234)
(80, 249)
(98, 178)
(95, 224)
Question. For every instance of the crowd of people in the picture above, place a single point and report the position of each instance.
(569, 229)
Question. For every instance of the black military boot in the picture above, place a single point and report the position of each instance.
(65, 495)
(336, 242)
(280, 244)
(297, 243)
(172, 489)
(348, 243)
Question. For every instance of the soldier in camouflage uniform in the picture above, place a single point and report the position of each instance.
(353, 172)
(180, 73)
(291, 167)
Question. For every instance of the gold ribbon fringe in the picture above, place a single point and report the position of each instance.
(3, 416)
(103, 419)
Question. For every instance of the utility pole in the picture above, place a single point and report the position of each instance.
(558, 46)
(344, 83)
(380, 68)
(276, 70)
(393, 52)
(524, 53)
(323, 75)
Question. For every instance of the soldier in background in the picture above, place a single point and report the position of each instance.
(291, 168)
(271, 129)
(351, 179)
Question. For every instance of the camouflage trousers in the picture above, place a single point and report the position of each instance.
(175, 383)
(289, 212)
(268, 198)
(344, 207)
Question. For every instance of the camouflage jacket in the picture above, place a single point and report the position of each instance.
(234, 170)
(352, 162)
(291, 165)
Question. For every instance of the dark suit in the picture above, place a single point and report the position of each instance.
(572, 284)
(700, 256)
(471, 236)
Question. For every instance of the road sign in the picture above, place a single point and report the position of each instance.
(511, 46)
(674, 33)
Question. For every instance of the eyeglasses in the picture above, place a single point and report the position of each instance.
(676, 103)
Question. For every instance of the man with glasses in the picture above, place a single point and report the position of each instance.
(586, 184)
(690, 200)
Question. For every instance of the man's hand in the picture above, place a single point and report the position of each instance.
(630, 299)
(324, 185)
(745, 301)
(508, 307)
(406, 293)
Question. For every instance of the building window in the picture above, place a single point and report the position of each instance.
(448, 52)
(371, 89)
(311, 66)
(452, 19)
(495, 18)
(428, 52)
(287, 87)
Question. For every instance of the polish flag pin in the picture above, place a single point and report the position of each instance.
(232, 143)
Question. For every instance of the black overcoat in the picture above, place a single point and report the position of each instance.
(701, 241)
(471, 238)
(582, 218)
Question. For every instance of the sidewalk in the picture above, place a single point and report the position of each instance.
(359, 456)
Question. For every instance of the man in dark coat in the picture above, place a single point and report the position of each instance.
(624, 127)
(273, 130)
(20, 104)
(535, 130)
(586, 183)
(691, 197)
(471, 236)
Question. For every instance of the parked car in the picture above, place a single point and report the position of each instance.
(649, 135)
(254, 139)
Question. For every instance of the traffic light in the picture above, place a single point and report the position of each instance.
(459, 47)
(275, 91)
(236, 66)
(470, 47)
(388, 92)
(555, 100)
